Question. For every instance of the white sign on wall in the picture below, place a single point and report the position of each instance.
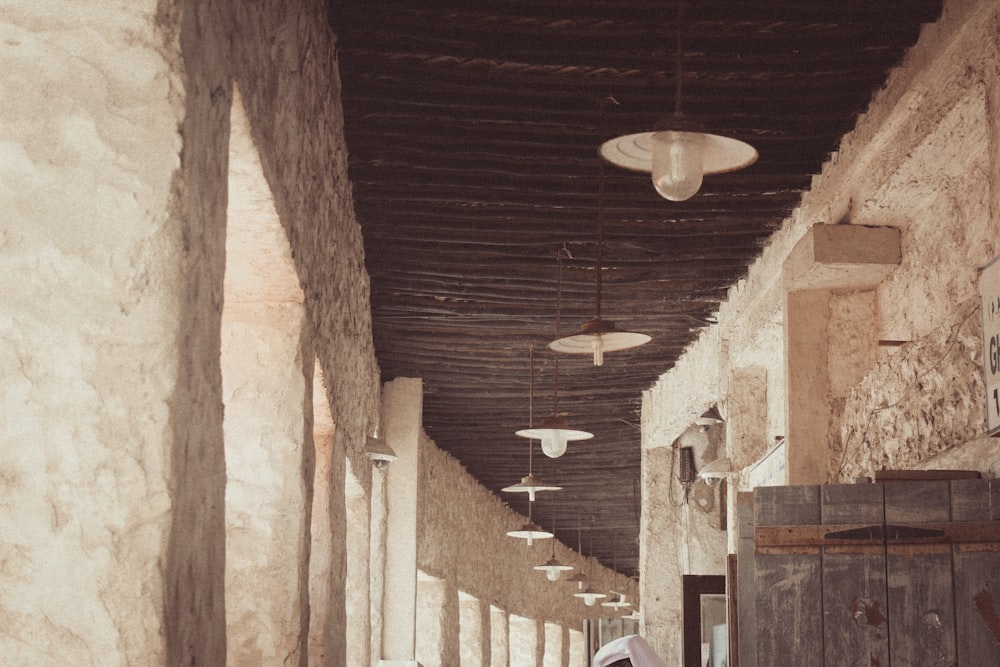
(989, 291)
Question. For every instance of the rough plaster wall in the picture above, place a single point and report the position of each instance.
(679, 536)
(927, 396)
(924, 158)
(285, 64)
(113, 269)
(93, 304)
(282, 57)
(461, 537)
(925, 153)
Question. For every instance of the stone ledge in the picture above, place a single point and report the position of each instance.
(842, 258)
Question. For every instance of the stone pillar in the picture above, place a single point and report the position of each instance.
(402, 408)
(807, 318)
(111, 451)
(829, 259)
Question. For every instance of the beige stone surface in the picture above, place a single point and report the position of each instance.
(462, 538)
(842, 258)
(90, 265)
(925, 159)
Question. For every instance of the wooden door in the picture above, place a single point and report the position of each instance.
(874, 575)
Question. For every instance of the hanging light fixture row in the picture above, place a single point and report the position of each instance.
(678, 152)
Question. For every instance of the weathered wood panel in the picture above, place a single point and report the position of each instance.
(788, 585)
(977, 576)
(746, 592)
(855, 628)
(921, 605)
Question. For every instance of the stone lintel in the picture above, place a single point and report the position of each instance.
(842, 258)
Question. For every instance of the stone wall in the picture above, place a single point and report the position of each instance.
(462, 538)
(95, 264)
(114, 135)
(924, 159)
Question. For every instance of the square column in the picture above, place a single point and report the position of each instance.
(402, 411)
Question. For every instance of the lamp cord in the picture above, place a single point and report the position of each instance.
(531, 406)
(680, 58)
(600, 238)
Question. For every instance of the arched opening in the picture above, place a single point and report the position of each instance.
(553, 656)
(470, 631)
(577, 649)
(430, 610)
(499, 639)
(356, 593)
(523, 641)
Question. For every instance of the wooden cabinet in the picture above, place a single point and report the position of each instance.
(901, 574)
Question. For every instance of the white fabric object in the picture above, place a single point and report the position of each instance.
(632, 647)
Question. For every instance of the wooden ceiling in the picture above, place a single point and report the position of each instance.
(473, 130)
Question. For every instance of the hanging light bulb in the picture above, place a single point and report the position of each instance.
(590, 596)
(531, 484)
(554, 433)
(580, 579)
(617, 602)
(597, 335)
(679, 151)
(552, 567)
(677, 163)
(530, 531)
(554, 443)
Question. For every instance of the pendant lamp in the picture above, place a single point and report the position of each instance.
(553, 568)
(709, 418)
(589, 595)
(530, 531)
(531, 484)
(678, 152)
(554, 433)
(617, 600)
(598, 335)
(579, 578)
